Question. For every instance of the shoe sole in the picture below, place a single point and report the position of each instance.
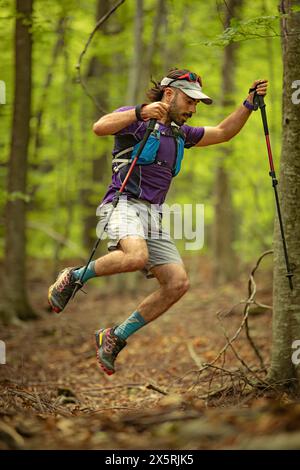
(100, 364)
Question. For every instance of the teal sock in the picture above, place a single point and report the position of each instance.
(130, 326)
(90, 272)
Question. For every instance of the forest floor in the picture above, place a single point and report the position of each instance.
(54, 396)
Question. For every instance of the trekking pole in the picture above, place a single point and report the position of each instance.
(260, 103)
(115, 201)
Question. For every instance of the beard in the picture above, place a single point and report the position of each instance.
(175, 115)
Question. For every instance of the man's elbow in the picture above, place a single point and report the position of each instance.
(225, 136)
(98, 129)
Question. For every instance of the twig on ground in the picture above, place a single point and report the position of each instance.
(111, 387)
(151, 386)
(251, 286)
(43, 405)
(252, 290)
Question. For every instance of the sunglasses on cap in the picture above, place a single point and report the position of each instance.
(190, 77)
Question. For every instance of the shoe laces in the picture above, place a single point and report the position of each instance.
(111, 344)
(64, 282)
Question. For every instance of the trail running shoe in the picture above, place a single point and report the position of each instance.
(108, 346)
(61, 291)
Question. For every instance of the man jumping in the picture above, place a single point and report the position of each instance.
(132, 246)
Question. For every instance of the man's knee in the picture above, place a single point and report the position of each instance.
(178, 286)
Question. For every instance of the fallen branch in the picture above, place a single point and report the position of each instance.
(41, 404)
(156, 389)
(252, 290)
(111, 387)
(251, 283)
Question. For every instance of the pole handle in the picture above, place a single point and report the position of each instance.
(258, 101)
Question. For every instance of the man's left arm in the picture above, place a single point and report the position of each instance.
(232, 125)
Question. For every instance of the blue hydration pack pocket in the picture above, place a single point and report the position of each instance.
(149, 153)
(150, 150)
(179, 156)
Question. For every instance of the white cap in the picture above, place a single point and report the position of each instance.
(191, 89)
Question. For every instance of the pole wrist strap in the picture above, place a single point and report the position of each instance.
(249, 105)
(138, 110)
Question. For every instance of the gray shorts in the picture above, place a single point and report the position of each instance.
(137, 218)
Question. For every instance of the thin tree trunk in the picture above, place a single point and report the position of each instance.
(98, 71)
(224, 256)
(286, 312)
(14, 301)
(58, 46)
(134, 82)
(148, 69)
(65, 195)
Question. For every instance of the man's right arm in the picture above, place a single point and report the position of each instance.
(112, 123)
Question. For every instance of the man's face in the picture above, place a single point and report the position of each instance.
(182, 107)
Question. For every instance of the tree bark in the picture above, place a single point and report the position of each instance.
(149, 69)
(169, 49)
(225, 261)
(97, 72)
(58, 46)
(14, 301)
(135, 74)
(65, 195)
(286, 312)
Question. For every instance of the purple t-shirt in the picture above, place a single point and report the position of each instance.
(149, 182)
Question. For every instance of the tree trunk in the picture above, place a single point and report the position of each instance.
(149, 69)
(97, 72)
(286, 313)
(58, 46)
(14, 301)
(65, 196)
(134, 80)
(225, 265)
(224, 257)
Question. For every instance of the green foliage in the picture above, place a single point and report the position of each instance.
(245, 30)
